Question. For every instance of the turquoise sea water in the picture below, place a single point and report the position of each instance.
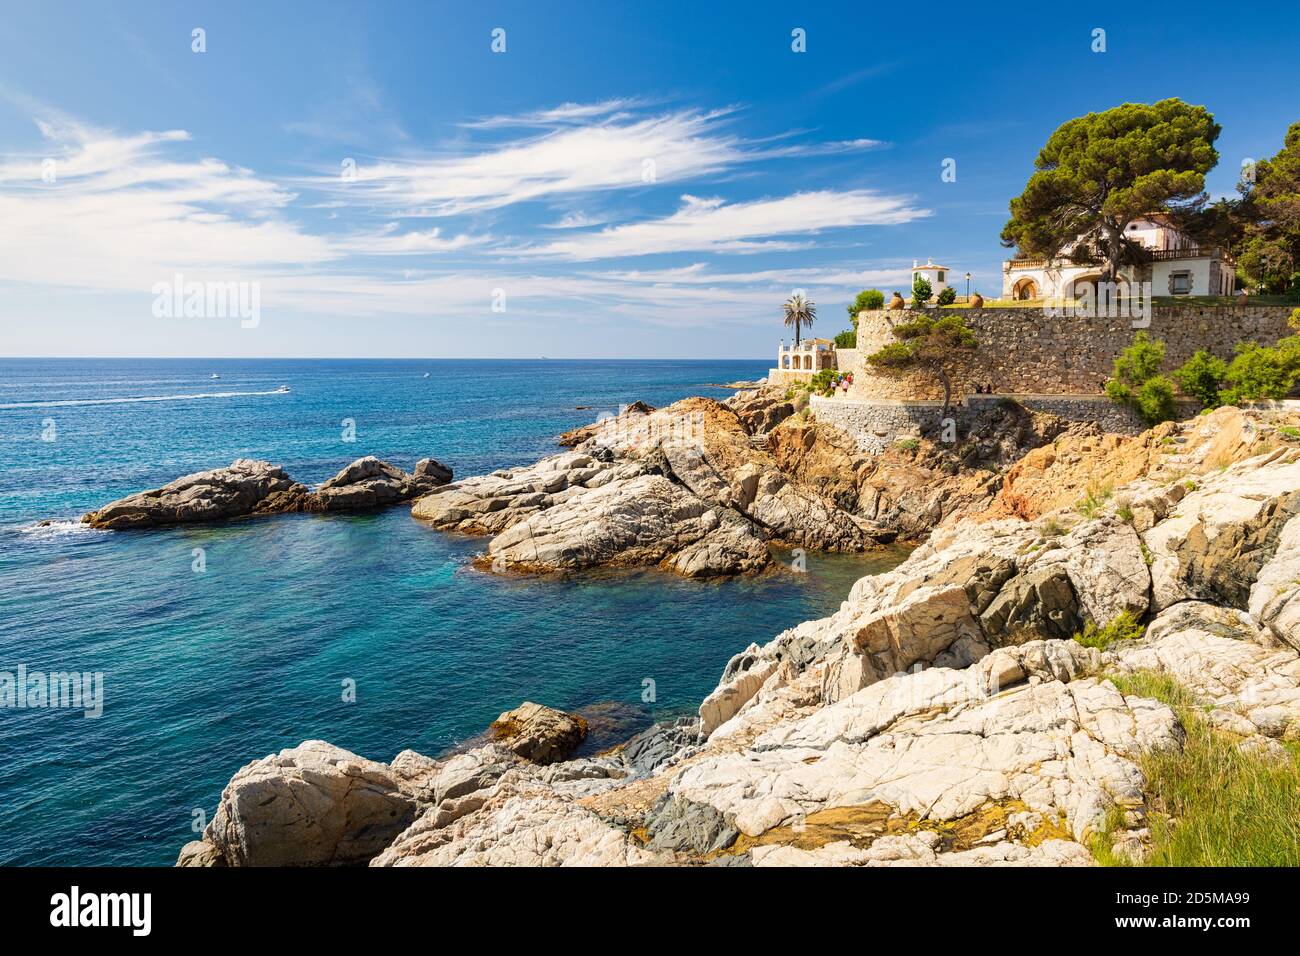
(204, 671)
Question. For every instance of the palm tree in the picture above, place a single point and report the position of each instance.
(799, 311)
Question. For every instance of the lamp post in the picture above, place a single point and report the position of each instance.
(968, 287)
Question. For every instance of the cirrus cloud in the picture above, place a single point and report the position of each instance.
(712, 225)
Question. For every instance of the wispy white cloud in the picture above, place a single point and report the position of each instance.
(126, 210)
(576, 220)
(389, 240)
(564, 113)
(585, 148)
(616, 153)
(712, 225)
(104, 211)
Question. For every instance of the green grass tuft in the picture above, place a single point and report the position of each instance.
(1210, 804)
(1094, 499)
(1123, 627)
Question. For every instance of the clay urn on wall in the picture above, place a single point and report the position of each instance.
(977, 301)
(897, 302)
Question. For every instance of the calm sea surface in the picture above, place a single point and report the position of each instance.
(204, 671)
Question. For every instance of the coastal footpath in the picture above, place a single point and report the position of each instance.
(997, 699)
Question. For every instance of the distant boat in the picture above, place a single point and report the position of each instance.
(283, 389)
(215, 375)
(426, 374)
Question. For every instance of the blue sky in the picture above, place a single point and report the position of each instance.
(636, 180)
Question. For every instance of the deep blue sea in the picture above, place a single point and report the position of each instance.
(207, 670)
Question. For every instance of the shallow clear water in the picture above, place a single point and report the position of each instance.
(204, 671)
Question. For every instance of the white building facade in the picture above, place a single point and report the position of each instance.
(1177, 267)
(936, 275)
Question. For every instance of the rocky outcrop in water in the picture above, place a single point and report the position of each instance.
(371, 483)
(249, 488)
(540, 734)
(245, 488)
(683, 488)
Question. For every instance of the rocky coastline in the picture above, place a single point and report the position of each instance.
(954, 710)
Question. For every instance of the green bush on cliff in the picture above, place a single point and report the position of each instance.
(1136, 381)
(1123, 627)
(947, 297)
(1200, 377)
(868, 300)
(847, 339)
(1262, 373)
(930, 345)
(823, 383)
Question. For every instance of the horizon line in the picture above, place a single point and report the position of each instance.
(358, 358)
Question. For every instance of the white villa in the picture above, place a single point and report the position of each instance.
(1177, 267)
(936, 275)
(803, 361)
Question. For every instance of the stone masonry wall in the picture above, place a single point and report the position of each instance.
(1026, 351)
(875, 424)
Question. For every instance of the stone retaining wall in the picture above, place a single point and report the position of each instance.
(876, 424)
(1027, 351)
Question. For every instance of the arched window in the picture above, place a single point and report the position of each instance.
(1025, 289)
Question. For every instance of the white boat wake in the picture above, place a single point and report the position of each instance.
(70, 402)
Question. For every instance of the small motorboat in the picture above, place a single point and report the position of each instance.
(426, 374)
(282, 390)
(215, 375)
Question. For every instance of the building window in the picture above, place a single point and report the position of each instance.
(941, 274)
(1180, 283)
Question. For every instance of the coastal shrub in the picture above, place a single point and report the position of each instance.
(1290, 432)
(1210, 803)
(823, 383)
(1136, 381)
(1260, 373)
(947, 297)
(867, 299)
(847, 339)
(1201, 376)
(909, 444)
(1123, 627)
(921, 291)
(928, 344)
